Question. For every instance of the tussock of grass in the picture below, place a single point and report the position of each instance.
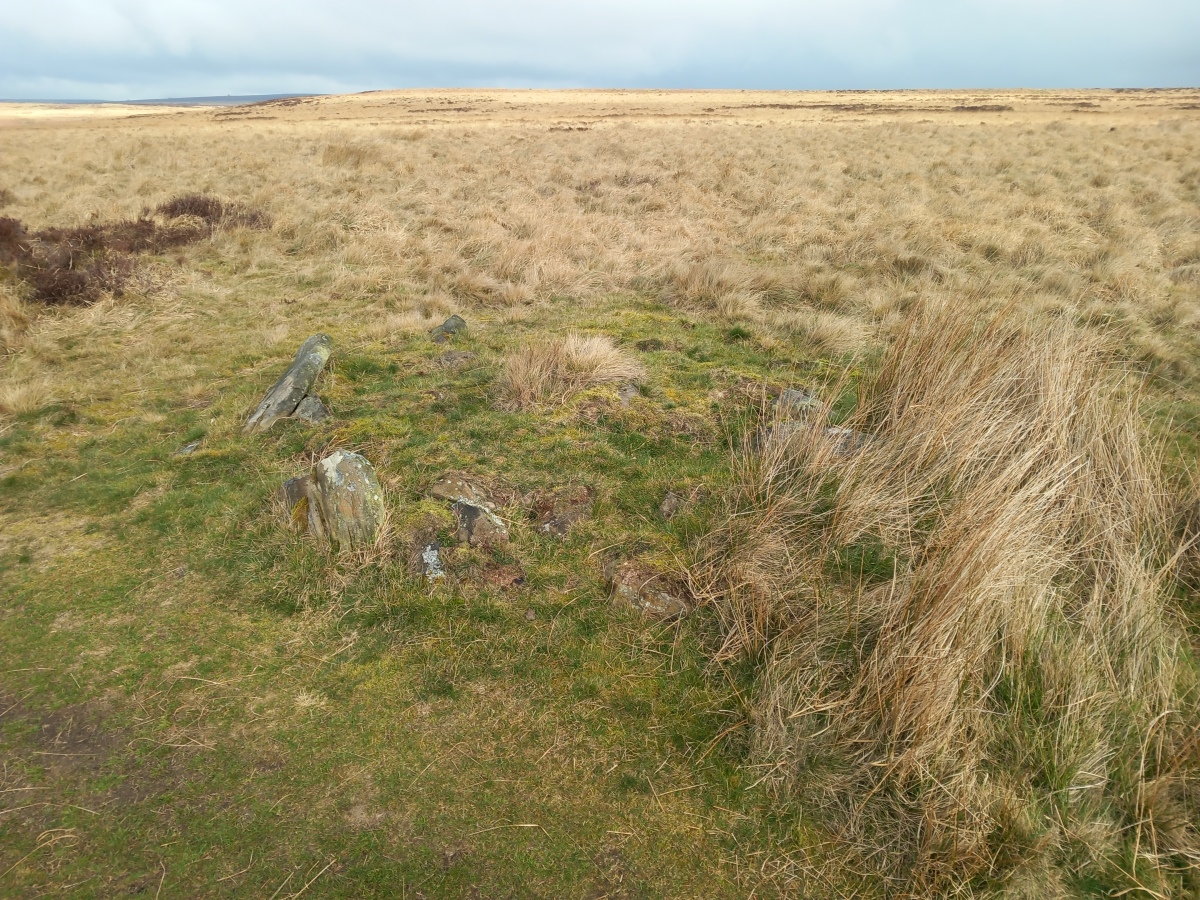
(966, 652)
(555, 370)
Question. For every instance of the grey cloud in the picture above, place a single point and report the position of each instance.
(116, 49)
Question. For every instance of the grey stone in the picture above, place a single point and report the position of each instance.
(644, 591)
(530, 615)
(672, 505)
(293, 386)
(454, 487)
(431, 562)
(301, 505)
(627, 392)
(478, 525)
(311, 410)
(188, 449)
(350, 499)
(560, 511)
(846, 441)
(452, 326)
(456, 359)
(796, 402)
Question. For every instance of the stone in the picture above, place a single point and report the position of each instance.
(672, 505)
(431, 562)
(478, 525)
(311, 410)
(339, 501)
(627, 392)
(846, 441)
(559, 512)
(349, 498)
(301, 506)
(293, 386)
(453, 487)
(796, 402)
(188, 449)
(632, 586)
(530, 615)
(456, 359)
(444, 332)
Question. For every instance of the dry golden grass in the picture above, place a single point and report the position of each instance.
(970, 658)
(966, 623)
(819, 216)
(554, 371)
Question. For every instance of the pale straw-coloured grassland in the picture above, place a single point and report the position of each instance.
(765, 239)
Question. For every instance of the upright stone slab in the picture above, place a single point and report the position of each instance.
(349, 498)
(293, 386)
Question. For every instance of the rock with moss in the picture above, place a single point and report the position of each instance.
(448, 329)
(339, 501)
(558, 512)
(634, 585)
(283, 399)
(478, 525)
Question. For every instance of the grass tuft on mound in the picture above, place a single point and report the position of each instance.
(963, 630)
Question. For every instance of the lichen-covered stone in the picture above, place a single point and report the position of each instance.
(453, 487)
(559, 512)
(311, 410)
(293, 386)
(452, 326)
(350, 499)
(478, 525)
(645, 591)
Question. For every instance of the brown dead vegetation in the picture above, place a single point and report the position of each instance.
(76, 266)
(968, 651)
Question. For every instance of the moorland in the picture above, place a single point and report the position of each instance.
(918, 372)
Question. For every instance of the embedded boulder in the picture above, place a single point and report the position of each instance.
(453, 487)
(448, 329)
(339, 501)
(632, 585)
(283, 399)
(311, 410)
(478, 525)
(557, 513)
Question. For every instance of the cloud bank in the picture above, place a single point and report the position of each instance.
(126, 49)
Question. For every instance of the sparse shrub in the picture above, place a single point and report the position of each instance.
(966, 655)
(76, 266)
(555, 370)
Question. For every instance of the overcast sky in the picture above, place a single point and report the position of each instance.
(135, 49)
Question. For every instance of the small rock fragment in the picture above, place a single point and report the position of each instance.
(672, 505)
(455, 359)
(293, 385)
(431, 562)
(644, 591)
(562, 510)
(530, 615)
(478, 525)
(626, 393)
(311, 410)
(453, 486)
(188, 449)
(444, 332)
(298, 496)
(796, 402)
